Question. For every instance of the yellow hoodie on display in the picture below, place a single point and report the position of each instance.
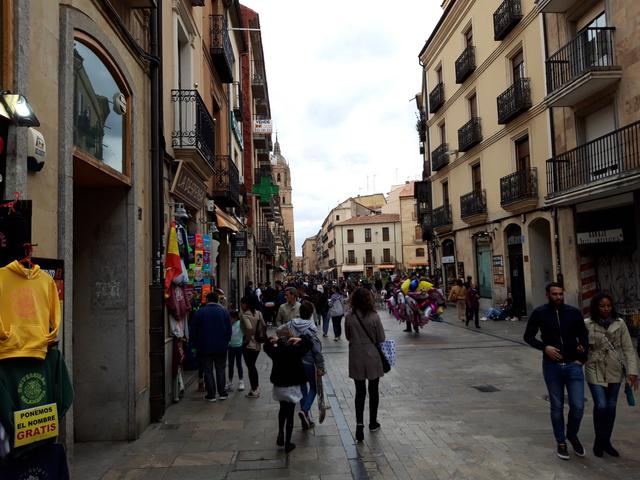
(29, 311)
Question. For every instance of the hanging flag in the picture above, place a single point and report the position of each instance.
(172, 265)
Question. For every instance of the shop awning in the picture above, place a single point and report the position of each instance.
(386, 266)
(418, 264)
(225, 221)
(353, 268)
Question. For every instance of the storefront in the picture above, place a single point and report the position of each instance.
(607, 242)
(483, 265)
(448, 264)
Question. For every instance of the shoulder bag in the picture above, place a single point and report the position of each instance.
(386, 364)
(628, 391)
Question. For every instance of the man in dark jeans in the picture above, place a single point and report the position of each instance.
(212, 332)
(565, 343)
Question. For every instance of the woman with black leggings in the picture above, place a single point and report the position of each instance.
(364, 331)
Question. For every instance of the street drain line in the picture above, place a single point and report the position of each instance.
(358, 470)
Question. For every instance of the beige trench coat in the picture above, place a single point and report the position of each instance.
(602, 365)
(364, 359)
(248, 327)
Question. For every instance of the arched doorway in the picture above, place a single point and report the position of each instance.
(514, 241)
(541, 259)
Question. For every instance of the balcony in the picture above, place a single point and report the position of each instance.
(608, 164)
(556, 6)
(194, 131)
(442, 219)
(266, 242)
(351, 261)
(436, 98)
(221, 50)
(387, 259)
(514, 100)
(225, 183)
(505, 18)
(465, 64)
(261, 171)
(368, 260)
(582, 68)
(439, 157)
(422, 194)
(258, 81)
(473, 207)
(519, 190)
(469, 135)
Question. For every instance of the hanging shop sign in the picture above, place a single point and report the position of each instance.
(498, 269)
(262, 126)
(240, 245)
(448, 259)
(614, 235)
(188, 187)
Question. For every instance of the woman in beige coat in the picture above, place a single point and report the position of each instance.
(251, 348)
(610, 347)
(364, 331)
(458, 295)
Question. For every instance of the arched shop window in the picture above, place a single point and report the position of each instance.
(100, 107)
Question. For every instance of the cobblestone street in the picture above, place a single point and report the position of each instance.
(436, 422)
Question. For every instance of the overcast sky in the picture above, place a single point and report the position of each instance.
(342, 75)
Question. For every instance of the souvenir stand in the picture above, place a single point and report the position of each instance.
(35, 387)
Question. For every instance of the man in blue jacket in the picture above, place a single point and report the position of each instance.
(564, 340)
(212, 332)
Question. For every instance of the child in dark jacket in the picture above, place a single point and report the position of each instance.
(287, 375)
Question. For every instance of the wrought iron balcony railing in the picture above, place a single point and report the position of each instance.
(422, 194)
(439, 157)
(605, 158)
(436, 98)
(465, 64)
(469, 135)
(519, 186)
(368, 260)
(592, 49)
(514, 100)
(221, 49)
(387, 259)
(351, 261)
(226, 179)
(505, 18)
(258, 80)
(193, 124)
(442, 216)
(473, 203)
(266, 241)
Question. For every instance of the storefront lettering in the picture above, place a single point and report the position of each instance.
(614, 235)
(189, 187)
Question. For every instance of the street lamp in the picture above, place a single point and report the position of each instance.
(16, 108)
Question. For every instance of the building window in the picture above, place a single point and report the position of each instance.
(350, 235)
(367, 234)
(418, 232)
(99, 125)
(351, 256)
(368, 255)
(473, 106)
(517, 66)
(523, 159)
(476, 179)
(443, 133)
(445, 193)
(284, 200)
(419, 252)
(278, 179)
(439, 74)
(468, 37)
(337, 217)
(386, 255)
(385, 234)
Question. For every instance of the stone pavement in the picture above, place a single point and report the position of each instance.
(437, 423)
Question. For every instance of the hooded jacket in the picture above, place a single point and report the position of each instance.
(29, 311)
(306, 328)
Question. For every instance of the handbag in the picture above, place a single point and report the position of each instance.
(628, 391)
(386, 364)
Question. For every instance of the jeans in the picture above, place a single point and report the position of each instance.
(250, 358)
(337, 325)
(559, 376)
(218, 359)
(325, 323)
(235, 355)
(473, 312)
(374, 400)
(604, 411)
(308, 389)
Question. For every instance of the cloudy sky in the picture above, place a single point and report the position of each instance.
(342, 75)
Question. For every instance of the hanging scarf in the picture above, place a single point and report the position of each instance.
(606, 322)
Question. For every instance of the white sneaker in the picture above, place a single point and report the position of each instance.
(253, 394)
(229, 387)
(241, 385)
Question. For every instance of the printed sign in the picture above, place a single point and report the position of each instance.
(498, 269)
(188, 187)
(35, 424)
(262, 126)
(614, 235)
(240, 245)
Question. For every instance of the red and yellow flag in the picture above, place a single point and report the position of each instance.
(172, 265)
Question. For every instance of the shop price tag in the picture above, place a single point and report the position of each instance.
(35, 424)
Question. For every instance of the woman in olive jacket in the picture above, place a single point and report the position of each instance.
(364, 331)
(610, 347)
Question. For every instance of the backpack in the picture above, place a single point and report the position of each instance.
(260, 335)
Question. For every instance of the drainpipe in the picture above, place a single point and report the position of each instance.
(554, 211)
(156, 290)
